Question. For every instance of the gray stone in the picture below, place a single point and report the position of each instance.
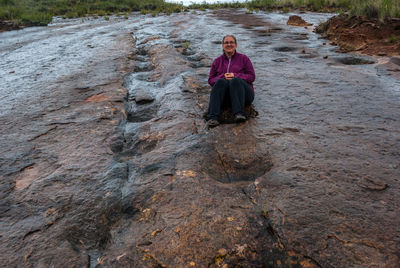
(143, 97)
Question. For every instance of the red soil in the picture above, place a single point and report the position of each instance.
(367, 36)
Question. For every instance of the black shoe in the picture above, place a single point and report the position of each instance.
(240, 118)
(212, 123)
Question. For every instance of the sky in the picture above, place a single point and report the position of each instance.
(188, 2)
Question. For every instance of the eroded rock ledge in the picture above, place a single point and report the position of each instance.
(188, 192)
(368, 36)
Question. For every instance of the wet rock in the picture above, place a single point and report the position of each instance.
(192, 83)
(148, 39)
(197, 57)
(141, 112)
(262, 43)
(308, 55)
(142, 97)
(117, 143)
(139, 88)
(395, 60)
(187, 51)
(227, 116)
(264, 32)
(130, 130)
(373, 184)
(196, 64)
(310, 182)
(141, 51)
(284, 49)
(140, 58)
(280, 60)
(301, 36)
(354, 61)
(141, 142)
(295, 20)
(232, 160)
(117, 172)
(199, 60)
(143, 67)
(275, 29)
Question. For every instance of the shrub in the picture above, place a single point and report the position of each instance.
(101, 13)
(81, 11)
(316, 4)
(386, 8)
(13, 13)
(345, 4)
(6, 2)
(393, 39)
(371, 11)
(71, 14)
(38, 19)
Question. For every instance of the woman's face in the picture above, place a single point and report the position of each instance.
(229, 46)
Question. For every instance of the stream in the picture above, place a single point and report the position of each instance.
(106, 160)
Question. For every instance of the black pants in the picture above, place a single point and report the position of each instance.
(236, 90)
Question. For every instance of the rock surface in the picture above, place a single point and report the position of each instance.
(90, 178)
(295, 20)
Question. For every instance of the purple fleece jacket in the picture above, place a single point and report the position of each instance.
(239, 64)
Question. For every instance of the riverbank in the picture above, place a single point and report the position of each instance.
(363, 35)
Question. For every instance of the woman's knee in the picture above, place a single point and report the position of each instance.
(221, 82)
(237, 79)
(236, 84)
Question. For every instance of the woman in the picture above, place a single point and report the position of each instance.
(231, 77)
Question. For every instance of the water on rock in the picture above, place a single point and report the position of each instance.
(106, 160)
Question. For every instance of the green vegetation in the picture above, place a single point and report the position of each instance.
(40, 12)
(284, 5)
(186, 44)
(205, 5)
(376, 8)
(394, 39)
(370, 8)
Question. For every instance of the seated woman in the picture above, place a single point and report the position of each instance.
(231, 74)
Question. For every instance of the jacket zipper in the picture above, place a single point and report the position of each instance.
(229, 64)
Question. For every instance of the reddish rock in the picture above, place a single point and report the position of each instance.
(295, 20)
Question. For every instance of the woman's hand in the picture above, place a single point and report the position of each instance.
(229, 76)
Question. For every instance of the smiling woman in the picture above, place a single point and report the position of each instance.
(231, 77)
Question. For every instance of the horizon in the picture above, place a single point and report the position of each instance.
(189, 2)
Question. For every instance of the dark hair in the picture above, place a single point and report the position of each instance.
(229, 35)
